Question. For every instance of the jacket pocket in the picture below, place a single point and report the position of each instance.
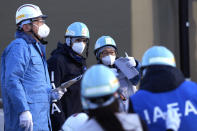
(36, 60)
(37, 67)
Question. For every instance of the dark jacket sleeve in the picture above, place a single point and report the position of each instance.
(57, 118)
(131, 110)
(54, 64)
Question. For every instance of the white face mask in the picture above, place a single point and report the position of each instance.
(78, 47)
(109, 60)
(43, 30)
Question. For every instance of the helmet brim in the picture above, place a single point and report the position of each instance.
(32, 19)
(41, 16)
(44, 16)
(66, 36)
(95, 51)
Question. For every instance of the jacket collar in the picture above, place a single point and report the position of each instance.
(28, 38)
(67, 51)
(161, 78)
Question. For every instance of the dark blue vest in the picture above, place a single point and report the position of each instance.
(152, 107)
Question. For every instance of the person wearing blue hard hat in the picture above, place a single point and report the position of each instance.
(106, 53)
(67, 62)
(99, 95)
(164, 87)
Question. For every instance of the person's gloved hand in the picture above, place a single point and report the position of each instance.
(25, 121)
(56, 94)
(172, 120)
(131, 62)
(134, 89)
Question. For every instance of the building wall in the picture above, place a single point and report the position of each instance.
(193, 38)
(134, 24)
(141, 27)
(155, 22)
(103, 17)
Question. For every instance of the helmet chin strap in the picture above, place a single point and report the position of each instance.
(42, 41)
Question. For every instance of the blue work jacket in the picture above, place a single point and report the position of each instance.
(25, 83)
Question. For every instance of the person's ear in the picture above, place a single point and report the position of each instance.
(71, 44)
(100, 55)
(26, 27)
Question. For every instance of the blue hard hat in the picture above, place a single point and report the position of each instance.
(158, 55)
(77, 29)
(98, 81)
(104, 41)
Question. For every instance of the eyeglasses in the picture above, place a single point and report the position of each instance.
(80, 40)
(40, 21)
(112, 52)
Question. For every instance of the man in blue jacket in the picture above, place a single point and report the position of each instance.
(164, 87)
(26, 89)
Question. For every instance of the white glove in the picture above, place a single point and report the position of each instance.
(134, 89)
(25, 121)
(57, 94)
(172, 120)
(131, 62)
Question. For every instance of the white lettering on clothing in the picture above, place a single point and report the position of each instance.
(174, 106)
(147, 116)
(189, 107)
(158, 114)
(55, 108)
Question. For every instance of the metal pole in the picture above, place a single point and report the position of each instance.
(184, 37)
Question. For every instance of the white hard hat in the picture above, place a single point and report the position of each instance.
(75, 121)
(27, 12)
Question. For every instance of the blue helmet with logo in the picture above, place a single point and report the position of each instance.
(158, 55)
(103, 41)
(98, 81)
(77, 29)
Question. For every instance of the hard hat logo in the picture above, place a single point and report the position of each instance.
(70, 32)
(108, 40)
(114, 82)
(77, 29)
(20, 17)
(84, 32)
(104, 41)
(67, 31)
